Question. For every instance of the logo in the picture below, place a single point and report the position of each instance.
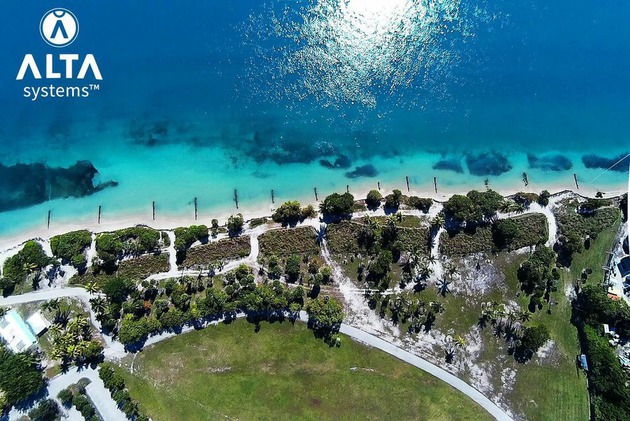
(59, 75)
(59, 27)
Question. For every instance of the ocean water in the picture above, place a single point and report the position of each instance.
(203, 97)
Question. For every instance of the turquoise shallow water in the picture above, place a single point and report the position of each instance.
(202, 98)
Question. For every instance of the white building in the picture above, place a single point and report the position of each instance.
(16, 333)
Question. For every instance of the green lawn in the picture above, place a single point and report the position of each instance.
(283, 372)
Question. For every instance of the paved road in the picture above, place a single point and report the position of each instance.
(430, 368)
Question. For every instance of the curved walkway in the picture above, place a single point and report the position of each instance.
(350, 331)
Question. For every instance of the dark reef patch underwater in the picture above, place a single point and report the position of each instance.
(488, 163)
(23, 185)
(363, 171)
(620, 162)
(451, 164)
(549, 162)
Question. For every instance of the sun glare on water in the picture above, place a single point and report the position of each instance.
(357, 51)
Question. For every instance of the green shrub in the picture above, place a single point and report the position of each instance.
(338, 205)
(422, 204)
(71, 245)
(185, 237)
(373, 199)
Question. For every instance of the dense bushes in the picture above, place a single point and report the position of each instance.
(46, 410)
(212, 253)
(535, 273)
(29, 260)
(373, 199)
(419, 203)
(475, 207)
(185, 237)
(610, 394)
(70, 247)
(235, 225)
(337, 205)
(20, 377)
(115, 383)
(129, 241)
(290, 213)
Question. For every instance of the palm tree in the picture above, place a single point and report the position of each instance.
(99, 304)
(436, 307)
(460, 341)
(506, 206)
(443, 287)
(51, 305)
(524, 315)
(438, 222)
(91, 288)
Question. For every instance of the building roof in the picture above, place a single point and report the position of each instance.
(15, 332)
(38, 323)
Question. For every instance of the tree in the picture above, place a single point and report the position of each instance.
(533, 338)
(543, 199)
(462, 209)
(394, 200)
(215, 227)
(379, 269)
(292, 268)
(46, 410)
(20, 376)
(70, 246)
(338, 205)
(117, 289)
(422, 204)
(235, 224)
(488, 202)
(324, 313)
(373, 199)
(289, 213)
(65, 396)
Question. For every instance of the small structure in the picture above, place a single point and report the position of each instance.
(38, 323)
(583, 362)
(16, 333)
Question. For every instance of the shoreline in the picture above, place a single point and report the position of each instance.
(170, 221)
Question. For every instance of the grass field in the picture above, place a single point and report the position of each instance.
(283, 372)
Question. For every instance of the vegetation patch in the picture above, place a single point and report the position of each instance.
(476, 240)
(71, 246)
(288, 375)
(24, 268)
(125, 242)
(142, 267)
(572, 223)
(216, 251)
(289, 241)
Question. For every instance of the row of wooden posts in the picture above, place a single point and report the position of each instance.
(273, 196)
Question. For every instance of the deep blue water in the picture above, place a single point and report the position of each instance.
(215, 95)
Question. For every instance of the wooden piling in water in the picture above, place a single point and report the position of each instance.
(435, 184)
(236, 198)
(99, 214)
(48, 222)
(577, 185)
(316, 197)
(273, 197)
(153, 208)
(525, 179)
(407, 180)
(347, 188)
(379, 185)
(196, 209)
